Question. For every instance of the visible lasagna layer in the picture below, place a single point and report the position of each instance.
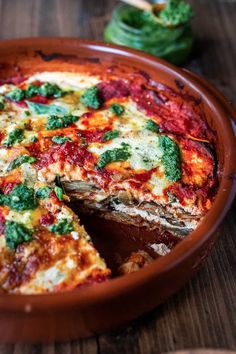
(44, 248)
(127, 149)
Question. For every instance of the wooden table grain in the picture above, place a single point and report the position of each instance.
(203, 314)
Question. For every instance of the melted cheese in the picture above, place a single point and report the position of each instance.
(132, 120)
(144, 148)
(28, 218)
(158, 184)
(4, 156)
(66, 80)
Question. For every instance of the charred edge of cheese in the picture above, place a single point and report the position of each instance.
(65, 274)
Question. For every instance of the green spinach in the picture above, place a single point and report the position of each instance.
(63, 227)
(152, 126)
(171, 158)
(110, 135)
(16, 136)
(117, 109)
(57, 122)
(57, 139)
(15, 95)
(21, 198)
(39, 108)
(16, 233)
(43, 192)
(59, 192)
(50, 90)
(19, 161)
(90, 98)
(117, 154)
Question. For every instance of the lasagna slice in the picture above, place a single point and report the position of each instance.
(43, 247)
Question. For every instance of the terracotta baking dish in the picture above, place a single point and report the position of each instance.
(101, 307)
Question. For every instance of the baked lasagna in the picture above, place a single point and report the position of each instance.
(124, 148)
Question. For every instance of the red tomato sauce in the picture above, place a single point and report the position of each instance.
(93, 135)
(13, 80)
(69, 152)
(7, 187)
(175, 116)
(34, 149)
(182, 192)
(47, 220)
(106, 177)
(39, 99)
(21, 104)
(113, 88)
(2, 135)
(140, 178)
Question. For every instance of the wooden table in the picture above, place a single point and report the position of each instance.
(203, 314)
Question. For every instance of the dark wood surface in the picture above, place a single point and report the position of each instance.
(203, 314)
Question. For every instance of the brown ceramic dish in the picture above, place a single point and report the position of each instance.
(101, 307)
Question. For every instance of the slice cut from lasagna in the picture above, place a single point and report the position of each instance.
(43, 246)
(127, 149)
